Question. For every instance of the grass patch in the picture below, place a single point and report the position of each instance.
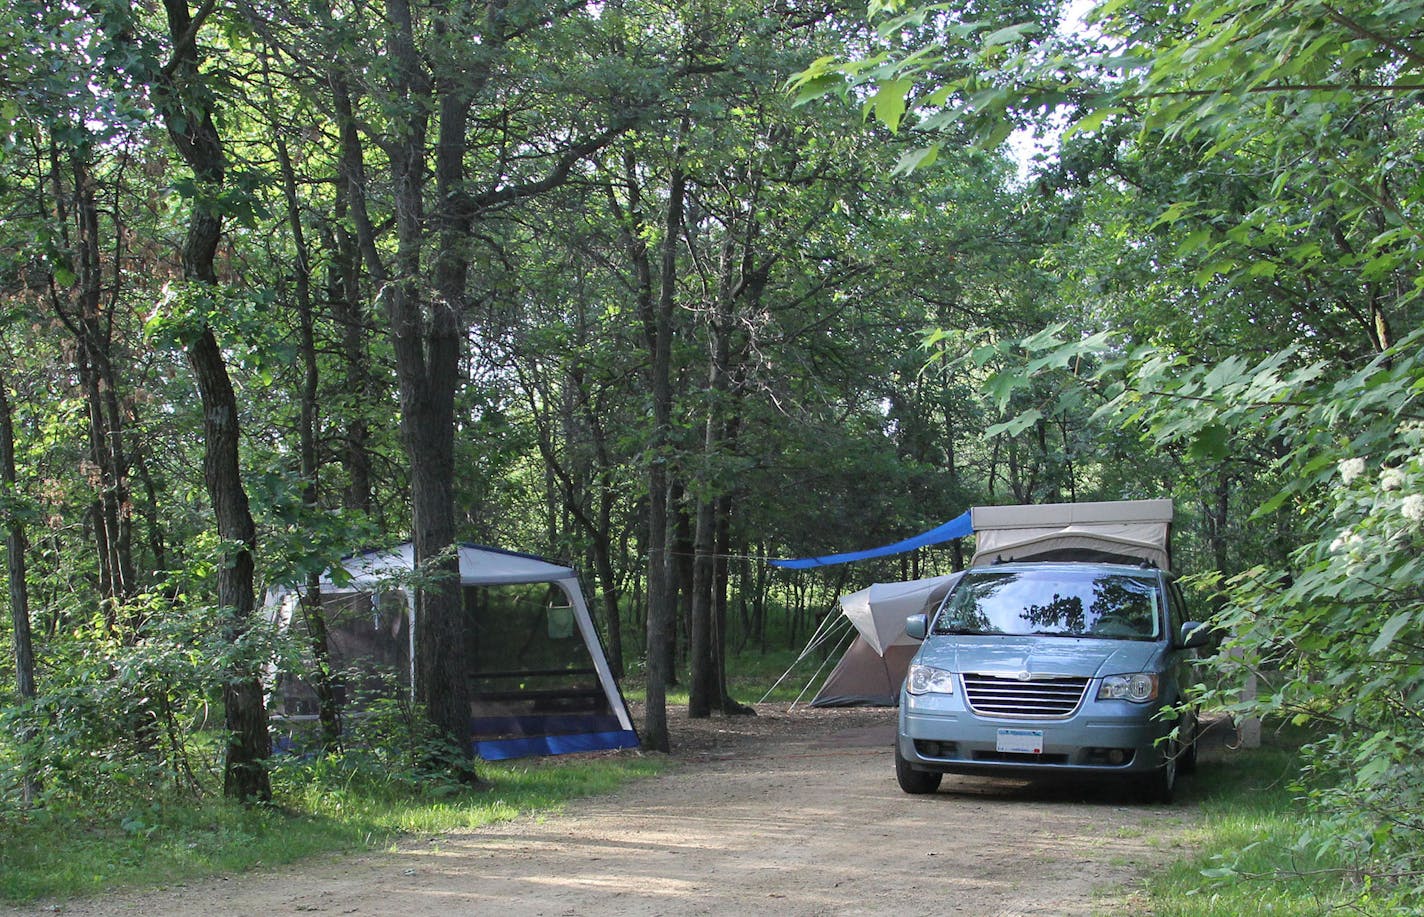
(1247, 861)
(64, 854)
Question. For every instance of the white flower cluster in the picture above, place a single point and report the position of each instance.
(1350, 469)
(1393, 480)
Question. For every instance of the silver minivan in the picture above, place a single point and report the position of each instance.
(1044, 667)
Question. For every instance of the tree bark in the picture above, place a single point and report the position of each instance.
(344, 294)
(427, 347)
(705, 690)
(91, 325)
(187, 111)
(657, 322)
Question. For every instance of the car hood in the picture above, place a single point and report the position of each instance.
(1081, 657)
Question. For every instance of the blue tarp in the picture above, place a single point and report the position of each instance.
(958, 527)
(526, 746)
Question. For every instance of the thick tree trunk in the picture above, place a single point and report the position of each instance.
(442, 668)
(721, 574)
(188, 114)
(427, 341)
(427, 373)
(248, 743)
(702, 690)
(705, 691)
(682, 555)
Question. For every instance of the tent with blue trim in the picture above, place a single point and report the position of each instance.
(540, 682)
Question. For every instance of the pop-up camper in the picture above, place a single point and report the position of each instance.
(1122, 530)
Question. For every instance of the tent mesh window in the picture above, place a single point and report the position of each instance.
(368, 648)
(531, 672)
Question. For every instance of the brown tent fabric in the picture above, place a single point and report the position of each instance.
(865, 678)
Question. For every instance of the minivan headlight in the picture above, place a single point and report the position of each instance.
(926, 679)
(1139, 688)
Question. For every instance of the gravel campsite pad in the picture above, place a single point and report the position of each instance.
(789, 812)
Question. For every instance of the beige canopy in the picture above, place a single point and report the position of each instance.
(1132, 529)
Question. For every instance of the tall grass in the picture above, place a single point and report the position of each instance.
(1249, 858)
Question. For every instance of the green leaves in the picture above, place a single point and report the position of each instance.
(17, 507)
(1391, 630)
(969, 75)
(889, 101)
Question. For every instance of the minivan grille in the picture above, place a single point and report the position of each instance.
(997, 695)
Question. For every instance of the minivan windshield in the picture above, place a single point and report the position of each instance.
(1055, 602)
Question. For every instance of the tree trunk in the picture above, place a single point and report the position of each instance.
(602, 538)
(657, 321)
(702, 690)
(188, 114)
(91, 325)
(608, 592)
(427, 347)
(682, 554)
(705, 690)
(19, 594)
(248, 743)
(344, 294)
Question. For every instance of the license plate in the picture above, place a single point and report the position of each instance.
(1021, 741)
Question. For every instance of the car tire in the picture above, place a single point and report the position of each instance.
(1160, 784)
(912, 781)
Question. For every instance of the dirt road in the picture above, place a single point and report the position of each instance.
(788, 813)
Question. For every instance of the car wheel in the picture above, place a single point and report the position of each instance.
(911, 780)
(1160, 785)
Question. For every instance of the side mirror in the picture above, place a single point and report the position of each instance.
(1194, 635)
(917, 626)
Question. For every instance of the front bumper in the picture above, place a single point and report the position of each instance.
(938, 732)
